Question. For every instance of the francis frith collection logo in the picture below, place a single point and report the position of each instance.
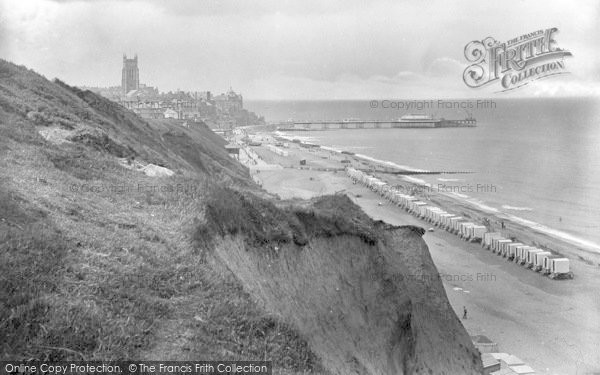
(516, 62)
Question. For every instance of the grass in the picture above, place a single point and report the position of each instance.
(231, 212)
(113, 273)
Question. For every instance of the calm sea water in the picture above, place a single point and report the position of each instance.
(539, 159)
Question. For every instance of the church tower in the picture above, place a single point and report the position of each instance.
(131, 75)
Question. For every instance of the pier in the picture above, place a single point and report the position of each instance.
(427, 123)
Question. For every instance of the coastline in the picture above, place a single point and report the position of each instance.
(527, 231)
(500, 296)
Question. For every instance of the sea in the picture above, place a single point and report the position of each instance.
(535, 161)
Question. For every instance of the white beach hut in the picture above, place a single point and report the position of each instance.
(452, 221)
(398, 198)
(538, 260)
(520, 255)
(457, 224)
(378, 186)
(504, 247)
(530, 257)
(547, 262)
(512, 250)
(487, 239)
(560, 268)
(499, 249)
(407, 200)
(465, 229)
(430, 213)
(445, 219)
(415, 207)
(437, 216)
(477, 232)
(422, 211)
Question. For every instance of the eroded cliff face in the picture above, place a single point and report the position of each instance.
(364, 294)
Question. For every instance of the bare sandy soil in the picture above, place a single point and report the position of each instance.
(554, 326)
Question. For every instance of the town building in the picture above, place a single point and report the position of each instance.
(130, 75)
(230, 102)
(225, 111)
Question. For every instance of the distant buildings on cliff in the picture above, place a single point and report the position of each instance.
(223, 111)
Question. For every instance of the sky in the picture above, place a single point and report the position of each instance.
(307, 50)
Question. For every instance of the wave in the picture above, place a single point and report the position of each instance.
(391, 164)
(290, 137)
(554, 232)
(331, 149)
(507, 207)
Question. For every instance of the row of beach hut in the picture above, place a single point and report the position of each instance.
(539, 260)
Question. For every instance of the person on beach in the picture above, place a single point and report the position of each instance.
(464, 312)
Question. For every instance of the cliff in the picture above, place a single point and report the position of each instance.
(101, 259)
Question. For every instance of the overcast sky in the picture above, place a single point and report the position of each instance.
(293, 49)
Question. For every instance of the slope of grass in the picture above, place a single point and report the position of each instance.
(96, 260)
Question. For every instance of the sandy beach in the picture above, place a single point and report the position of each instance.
(552, 325)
